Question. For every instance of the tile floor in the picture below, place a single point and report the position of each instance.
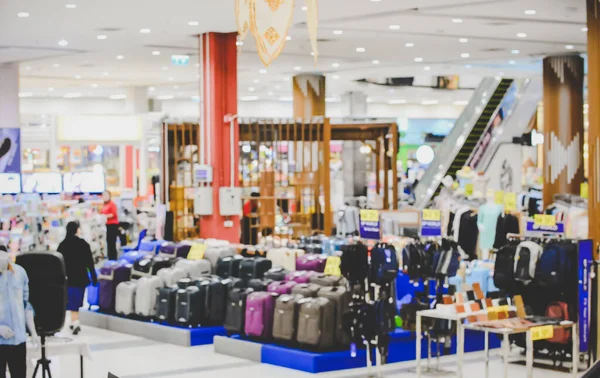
(133, 357)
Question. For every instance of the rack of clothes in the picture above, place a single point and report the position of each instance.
(573, 211)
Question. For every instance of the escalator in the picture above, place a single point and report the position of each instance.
(464, 143)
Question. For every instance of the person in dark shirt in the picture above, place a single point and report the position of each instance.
(78, 262)
(250, 233)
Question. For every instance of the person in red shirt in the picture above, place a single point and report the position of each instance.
(112, 224)
(249, 233)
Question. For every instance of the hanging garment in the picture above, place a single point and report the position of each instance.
(507, 224)
(487, 218)
(468, 234)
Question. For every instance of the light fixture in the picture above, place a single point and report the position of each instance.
(512, 62)
(239, 43)
(465, 55)
(50, 89)
(22, 14)
(461, 102)
(171, 78)
(425, 154)
(468, 66)
(338, 32)
(70, 6)
(278, 86)
(584, 29)
(463, 40)
(27, 68)
(262, 71)
(365, 149)
(418, 59)
(522, 35)
(25, 94)
(145, 31)
(151, 89)
(72, 95)
(304, 8)
(312, 53)
(155, 52)
(409, 44)
(63, 43)
(426, 68)
(369, 100)
(395, 27)
(165, 97)
(335, 77)
(77, 77)
(105, 73)
(94, 85)
(193, 23)
(530, 12)
(515, 52)
(335, 65)
(331, 99)
(297, 68)
(397, 102)
(101, 37)
(165, 68)
(120, 57)
(429, 102)
(55, 65)
(288, 38)
(270, 93)
(376, 61)
(256, 81)
(286, 98)
(360, 49)
(251, 89)
(457, 20)
(175, 87)
(117, 97)
(569, 47)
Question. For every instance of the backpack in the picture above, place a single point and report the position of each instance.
(553, 266)
(448, 261)
(355, 262)
(526, 259)
(559, 310)
(413, 261)
(504, 267)
(384, 263)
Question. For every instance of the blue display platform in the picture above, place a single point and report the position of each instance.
(402, 348)
(154, 331)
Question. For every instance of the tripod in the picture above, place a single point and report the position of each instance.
(43, 361)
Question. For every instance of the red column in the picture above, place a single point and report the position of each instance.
(219, 70)
(129, 169)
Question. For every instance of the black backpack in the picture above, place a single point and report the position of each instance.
(553, 266)
(504, 267)
(384, 264)
(355, 263)
(414, 261)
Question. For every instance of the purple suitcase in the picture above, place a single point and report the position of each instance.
(259, 314)
(281, 288)
(299, 276)
(111, 275)
(168, 249)
(182, 250)
(314, 263)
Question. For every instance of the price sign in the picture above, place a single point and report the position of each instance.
(542, 220)
(431, 224)
(332, 267)
(369, 215)
(542, 333)
(469, 189)
(584, 190)
(499, 197)
(510, 201)
(369, 224)
(197, 252)
(432, 215)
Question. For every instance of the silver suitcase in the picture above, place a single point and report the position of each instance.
(145, 296)
(213, 254)
(125, 299)
(195, 268)
(170, 276)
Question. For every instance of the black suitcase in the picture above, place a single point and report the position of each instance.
(229, 266)
(259, 285)
(189, 306)
(234, 282)
(276, 274)
(184, 283)
(254, 267)
(236, 310)
(143, 267)
(214, 294)
(165, 304)
(160, 262)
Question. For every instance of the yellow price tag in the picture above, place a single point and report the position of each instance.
(469, 189)
(503, 309)
(332, 266)
(432, 215)
(510, 201)
(369, 215)
(499, 197)
(584, 190)
(197, 252)
(542, 220)
(542, 333)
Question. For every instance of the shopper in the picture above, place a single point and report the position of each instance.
(112, 224)
(78, 262)
(249, 222)
(15, 314)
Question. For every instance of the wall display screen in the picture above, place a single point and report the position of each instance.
(10, 183)
(42, 182)
(84, 182)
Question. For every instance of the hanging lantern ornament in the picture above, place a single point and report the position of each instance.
(270, 21)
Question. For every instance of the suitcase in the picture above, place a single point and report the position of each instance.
(285, 317)
(145, 295)
(302, 276)
(236, 310)
(111, 275)
(325, 280)
(168, 249)
(234, 282)
(259, 315)
(254, 268)
(161, 262)
(276, 274)
(214, 294)
(280, 287)
(258, 284)
(143, 267)
(182, 250)
(92, 295)
(315, 263)
(316, 323)
(125, 298)
(184, 283)
(307, 290)
(229, 266)
(133, 256)
(284, 257)
(165, 304)
(340, 297)
(171, 276)
(151, 246)
(195, 268)
(213, 254)
(189, 306)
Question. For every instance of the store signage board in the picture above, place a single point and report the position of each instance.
(203, 174)
(370, 228)
(431, 223)
(510, 201)
(499, 197)
(180, 60)
(585, 261)
(545, 227)
(332, 267)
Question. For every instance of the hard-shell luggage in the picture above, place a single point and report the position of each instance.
(258, 284)
(280, 287)
(315, 263)
(194, 268)
(161, 262)
(284, 257)
(259, 315)
(142, 267)
(146, 294)
(301, 276)
(276, 274)
(234, 282)
(151, 245)
(170, 276)
(214, 294)
(325, 280)
(111, 275)
(168, 249)
(93, 295)
(189, 306)
(236, 310)
(340, 297)
(213, 254)
(184, 283)
(316, 323)
(133, 256)
(254, 267)
(165, 303)
(125, 299)
(229, 266)
(307, 290)
(182, 250)
(285, 317)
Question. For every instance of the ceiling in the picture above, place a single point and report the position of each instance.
(441, 32)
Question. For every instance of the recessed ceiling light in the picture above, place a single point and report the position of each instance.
(584, 29)
(338, 32)
(270, 93)
(249, 98)
(468, 66)
(297, 68)
(77, 77)
(335, 65)
(369, 100)
(304, 8)
(465, 55)
(151, 89)
(516, 52)
(418, 59)
(409, 44)
(251, 89)
(94, 85)
(569, 47)
(395, 27)
(256, 81)
(101, 37)
(63, 42)
(145, 31)
(429, 102)
(360, 49)
(175, 87)
(426, 68)
(461, 102)
(287, 78)
(522, 35)
(397, 102)
(512, 62)
(463, 40)
(457, 20)
(165, 68)
(105, 73)
(262, 71)
(530, 12)
(165, 97)
(335, 77)
(278, 86)
(376, 61)
(239, 43)
(171, 78)
(70, 6)
(288, 38)
(375, 1)
(193, 23)
(72, 95)
(56, 65)
(25, 94)
(312, 53)
(50, 89)
(155, 52)
(27, 68)
(22, 14)
(117, 97)
(120, 57)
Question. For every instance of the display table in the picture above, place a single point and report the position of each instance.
(59, 347)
